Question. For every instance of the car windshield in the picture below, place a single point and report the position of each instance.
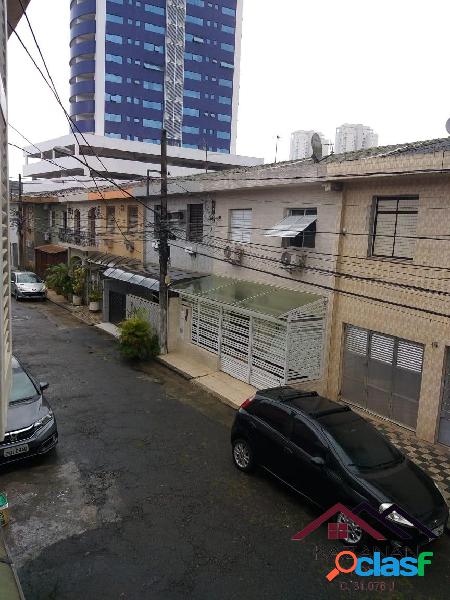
(358, 443)
(28, 278)
(22, 387)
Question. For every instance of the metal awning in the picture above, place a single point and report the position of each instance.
(132, 278)
(104, 259)
(248, 296)
(291, 226)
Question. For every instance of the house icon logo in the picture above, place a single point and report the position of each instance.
(339, 531)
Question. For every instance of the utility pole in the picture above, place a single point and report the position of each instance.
(21, 226)
(163, 249)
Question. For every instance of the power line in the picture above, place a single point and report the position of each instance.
(332, 289)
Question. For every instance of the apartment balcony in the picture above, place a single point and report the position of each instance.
(82, 239)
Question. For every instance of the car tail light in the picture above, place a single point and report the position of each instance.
(247, 402)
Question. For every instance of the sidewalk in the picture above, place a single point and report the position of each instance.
(80, 312)
(9, 584)
(228, 389)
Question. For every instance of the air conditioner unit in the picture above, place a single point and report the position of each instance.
(46, 236)
(292, 262)
(234, 254)
(179, 215)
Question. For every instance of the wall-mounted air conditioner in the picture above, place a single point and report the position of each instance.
(292, 262)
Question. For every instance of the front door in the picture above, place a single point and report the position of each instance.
(444, 423)
(383, 374)
(117, 307)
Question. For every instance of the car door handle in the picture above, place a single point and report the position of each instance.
(288, 450)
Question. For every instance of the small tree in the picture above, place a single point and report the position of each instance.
(57, 277)
(138, 340)
(79, 280)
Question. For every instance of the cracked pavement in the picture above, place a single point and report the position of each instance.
(141, 500)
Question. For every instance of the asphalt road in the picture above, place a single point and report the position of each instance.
(141, 500)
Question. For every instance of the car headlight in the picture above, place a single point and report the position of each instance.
(394, 516)
(45, 420)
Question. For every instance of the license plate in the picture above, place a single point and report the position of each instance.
(16, 450)
(439, 530)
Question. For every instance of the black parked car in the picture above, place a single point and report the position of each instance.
(31, 425)
(329, 454)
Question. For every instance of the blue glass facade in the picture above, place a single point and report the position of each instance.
(138, 94)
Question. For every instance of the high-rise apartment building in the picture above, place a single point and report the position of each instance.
(140, 66)
(301, 144)
(351, 137)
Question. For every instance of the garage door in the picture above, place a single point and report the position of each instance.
(382, 374)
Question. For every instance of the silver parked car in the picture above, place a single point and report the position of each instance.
(25, 284)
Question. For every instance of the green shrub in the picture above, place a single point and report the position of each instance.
(138, 340)
(57, 277)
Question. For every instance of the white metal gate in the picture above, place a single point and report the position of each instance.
(262, 351)
(150, 309)
(205, 326)
(268, 356)
(235, 349)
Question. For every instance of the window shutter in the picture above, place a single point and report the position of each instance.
(357, 340)
(382, 348)
(384, 234)
(410, 356)
(405, 235)
(240, 225)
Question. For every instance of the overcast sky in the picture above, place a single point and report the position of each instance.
(305, 65)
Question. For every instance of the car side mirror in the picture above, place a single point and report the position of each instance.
(43, 385)
(318, 460)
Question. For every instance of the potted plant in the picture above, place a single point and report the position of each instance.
(79, 281)
(95, 296)
(58, 279)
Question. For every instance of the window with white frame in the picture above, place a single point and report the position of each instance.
(241, 225)
(395, 227)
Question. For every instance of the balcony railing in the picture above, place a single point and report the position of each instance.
(78, 238)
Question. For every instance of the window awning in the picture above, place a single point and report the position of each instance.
(248, 296)
(291, 226)
(132, 278)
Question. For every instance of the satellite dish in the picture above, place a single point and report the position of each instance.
(447, 126)
(316, 144)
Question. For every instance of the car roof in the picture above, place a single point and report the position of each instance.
(309, 403)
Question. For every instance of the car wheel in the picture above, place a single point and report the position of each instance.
(243, 456)
(355, 535)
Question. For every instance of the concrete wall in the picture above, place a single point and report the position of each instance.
(431, 330)
(117, 242)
